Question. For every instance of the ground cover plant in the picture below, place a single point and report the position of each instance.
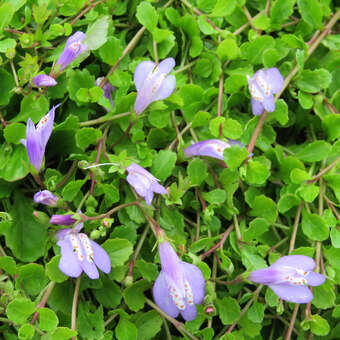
(169, 169)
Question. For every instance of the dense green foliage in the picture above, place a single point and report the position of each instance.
(253, 209)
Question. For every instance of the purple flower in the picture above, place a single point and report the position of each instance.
(288, 278)
(37, 138)
(72, 50)
(211, 147)
(46, 197)
(152, 82)
(79, 253)
(62, 219)
(107, 88)
(143, 182)
(262, 85)
(179, 286)
(44, 80)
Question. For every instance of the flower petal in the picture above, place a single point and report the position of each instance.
(62, 219)
(166, 65)
(141, 73)
(162, 297)
(269, 103)
(101, 258)
(167, 87)
(196, 281)
(139, 183)
(265, 276)
(45, 126)
(149, 197)
(212, 148)
(137, 168)
(44, 80)
(76, 37)
(189, 313)
(296, 294)
(256, 106)
(89, 267)
(296, 261)
(171, 264)
(69, 263)
(274, 78)
(315, 279)
(159, 189)
(34, 148)
(144, 98)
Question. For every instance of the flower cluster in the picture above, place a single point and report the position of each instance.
(180, 286)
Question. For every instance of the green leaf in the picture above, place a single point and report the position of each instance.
(147, 15)
(281, 112)
(6, 83)
(313, 81)
(331, 124)
(71, 190)
(27, 237)
(197, 171)
(308, 192)
(234, 83)
(232, 129)
(26, 332)
(125, 330)
(287, 201)
(228, 310)
(256, 312)
(119, 250)
(311, 12)
(234, 156)
(264, 207)
(14, 132)
(148, 324)
(6, 14)
(53, 272)
(91, 325)
(314, 227)
(314, 152)
(78, 79)
(324, 295)
(13, 162)
(216, 196)
(305, 100)
(253, 51)
(319, 325)
(223, 8)
(228, 49)
(63, 333)
(19, 310)
(257, 227)
(163, 164)
(87, 136)
(8, 264)
(134, 295)
(96, 34)
(281, 10)
(32, 107)
(32, 278)
(257, 173)
(109, 295)
(148, 270)
(261, 22)
(7, 43)
(48, 320)
(298, 176)
(111, 50)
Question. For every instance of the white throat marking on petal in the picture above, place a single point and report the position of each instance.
(76, 246)
(87, 246)
(255, 93)
(75, 46)
(266, 88)
(42, 123)
(176, 298)
(188, 293)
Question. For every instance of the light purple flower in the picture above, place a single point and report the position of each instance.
(62, 219)
(152, 82)
(143, 182)
(46, 197)
(211, 147)
(37, 138)
(44, 80)
(262, 85)
(72, 50)
(288, 278)
(107, 88)
(179, 286)
(79, 253)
